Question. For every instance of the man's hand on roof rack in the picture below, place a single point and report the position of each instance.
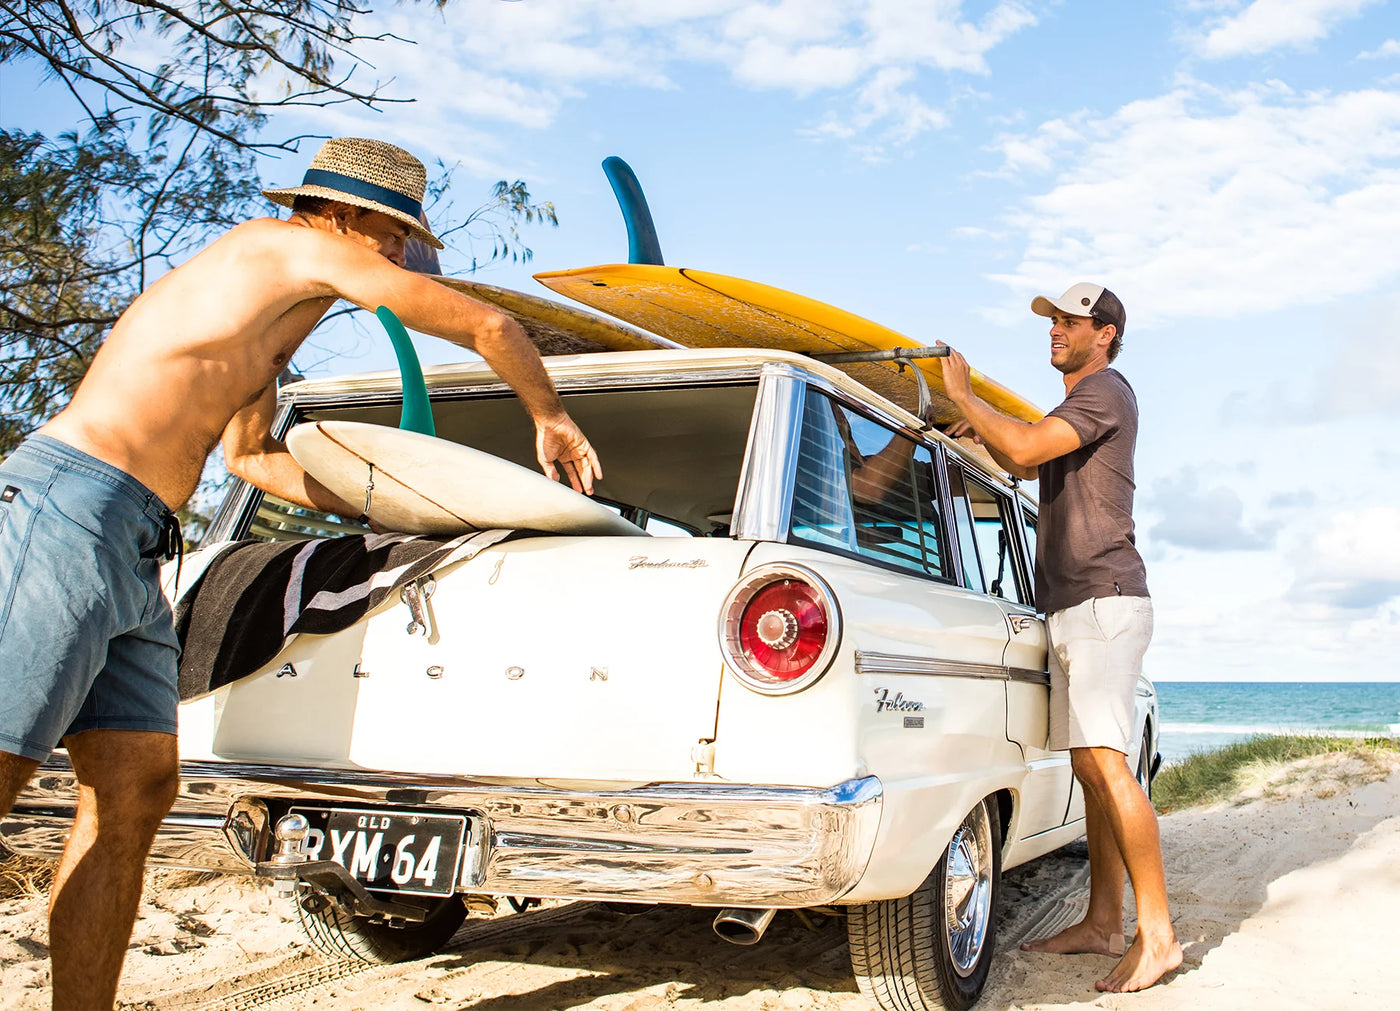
(957, 377)
(962, 429)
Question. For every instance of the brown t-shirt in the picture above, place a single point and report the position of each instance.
(1084, 540)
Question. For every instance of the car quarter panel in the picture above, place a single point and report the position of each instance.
(915, 696)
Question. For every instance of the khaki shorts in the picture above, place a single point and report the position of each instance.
(1096, 651)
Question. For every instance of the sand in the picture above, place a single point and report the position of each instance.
(1283, 898)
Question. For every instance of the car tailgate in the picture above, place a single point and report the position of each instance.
(553, 658)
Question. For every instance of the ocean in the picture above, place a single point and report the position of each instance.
(1204, 715)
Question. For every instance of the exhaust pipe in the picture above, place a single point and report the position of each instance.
(743, 926)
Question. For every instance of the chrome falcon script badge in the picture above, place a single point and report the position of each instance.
(898, 704)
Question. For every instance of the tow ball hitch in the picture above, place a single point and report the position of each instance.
(291, 864)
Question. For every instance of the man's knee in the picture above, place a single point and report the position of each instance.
(132, 777)
(156, 789)
(1097, 767)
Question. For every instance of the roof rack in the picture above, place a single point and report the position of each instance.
(901, 357)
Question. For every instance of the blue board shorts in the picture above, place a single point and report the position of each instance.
(87, 640)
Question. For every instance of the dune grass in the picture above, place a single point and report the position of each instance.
(1209, 777)
(23, 876)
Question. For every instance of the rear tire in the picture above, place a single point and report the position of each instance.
(933, 949)
(336, 934)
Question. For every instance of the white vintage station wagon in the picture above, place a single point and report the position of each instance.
(814, 675)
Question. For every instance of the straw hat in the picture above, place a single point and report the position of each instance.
(366, 173)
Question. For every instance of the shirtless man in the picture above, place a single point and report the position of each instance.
(1092, 585)
(88, 651)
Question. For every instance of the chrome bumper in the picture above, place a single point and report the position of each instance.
(707, 844)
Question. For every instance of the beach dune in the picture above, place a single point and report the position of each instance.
(1283, 898)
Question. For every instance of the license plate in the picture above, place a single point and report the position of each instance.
(399, 852)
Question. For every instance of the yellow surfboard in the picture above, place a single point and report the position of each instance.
(696, 308)
(557, 329)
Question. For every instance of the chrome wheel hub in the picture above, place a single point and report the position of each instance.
(968, 890)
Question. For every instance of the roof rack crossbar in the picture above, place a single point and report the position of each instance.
(891, 355)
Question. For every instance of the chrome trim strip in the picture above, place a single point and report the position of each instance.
(380, 390)
(696, 843)
(1035, 677)
(892, 663)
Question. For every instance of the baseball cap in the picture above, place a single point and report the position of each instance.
(1084, 299)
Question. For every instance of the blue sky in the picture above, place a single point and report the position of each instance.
(1230, 168)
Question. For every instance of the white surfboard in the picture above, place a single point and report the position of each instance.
(425, 485)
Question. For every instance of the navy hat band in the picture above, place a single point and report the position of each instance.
(367, 190)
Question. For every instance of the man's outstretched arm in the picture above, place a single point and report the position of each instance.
(1018, 446)
(369, 280)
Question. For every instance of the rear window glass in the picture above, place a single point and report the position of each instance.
(866, 489)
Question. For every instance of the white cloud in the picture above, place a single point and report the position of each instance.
(1255, 616)
(1351, 561)
(520, 63)
(1206, 519)
(1388, 48)
(1362, 377)
(885, 100)
(1266, 25)
(1216, 203)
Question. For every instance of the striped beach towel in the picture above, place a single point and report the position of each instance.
(256, 596)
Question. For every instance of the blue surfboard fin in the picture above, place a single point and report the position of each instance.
(642, 243)
(417, 413)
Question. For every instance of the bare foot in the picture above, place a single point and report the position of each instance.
(1146, 962)
(1080, 939)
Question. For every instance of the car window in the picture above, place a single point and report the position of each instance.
(990, 516)
(279, 520)
(658, 527)
(994, 519)
(866, 489)
(674, 453)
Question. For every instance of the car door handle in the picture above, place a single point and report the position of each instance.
(1020, 622)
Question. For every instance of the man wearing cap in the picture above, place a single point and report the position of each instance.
(1092, 585)
(88, 651)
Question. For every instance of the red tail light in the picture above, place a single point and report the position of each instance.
(783, 629)
(780, 628)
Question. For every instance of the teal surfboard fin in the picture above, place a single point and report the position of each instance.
(417, 414)
(642, 244)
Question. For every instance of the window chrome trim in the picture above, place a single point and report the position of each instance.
(893, 663)
(945, 502)
(763, 502)
(385, 388)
